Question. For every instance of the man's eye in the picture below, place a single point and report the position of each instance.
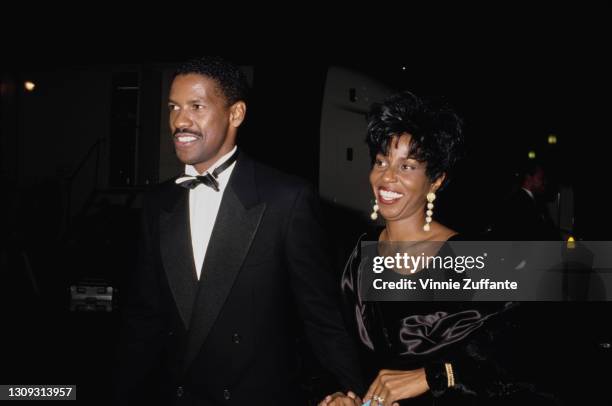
(172, 107)
(198, 106)
(379, 162)
(406, 167)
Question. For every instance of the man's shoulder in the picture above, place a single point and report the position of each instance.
(163, 187)
(155, 194)
(273, 178)
(278, 177)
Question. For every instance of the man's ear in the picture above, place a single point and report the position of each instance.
(438, 182)
(237, 113)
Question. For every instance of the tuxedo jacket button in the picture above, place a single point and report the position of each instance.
(236, 338)
(179, 391)
(227, 395)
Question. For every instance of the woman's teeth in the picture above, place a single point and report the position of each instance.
(389, 195)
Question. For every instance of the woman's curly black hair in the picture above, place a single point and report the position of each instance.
(436, 132)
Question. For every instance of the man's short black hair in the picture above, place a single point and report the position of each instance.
(436, 132)
(232, 81)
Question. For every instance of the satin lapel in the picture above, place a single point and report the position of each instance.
(235, 228)
(177, 252)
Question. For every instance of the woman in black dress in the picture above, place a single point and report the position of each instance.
(422, 352)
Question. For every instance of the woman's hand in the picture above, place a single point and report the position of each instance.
(340, 399)
(391, 386)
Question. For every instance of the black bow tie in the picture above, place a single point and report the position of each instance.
(209, 179)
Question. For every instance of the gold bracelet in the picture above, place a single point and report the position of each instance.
(450, 376)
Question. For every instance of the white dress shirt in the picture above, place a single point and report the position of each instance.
(529, 193)
(204, 205)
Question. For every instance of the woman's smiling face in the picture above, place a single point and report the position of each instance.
(400, 182)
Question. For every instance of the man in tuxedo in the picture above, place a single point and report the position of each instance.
(524, 215)
(231, 258)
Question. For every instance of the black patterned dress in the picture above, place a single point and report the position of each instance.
(474, 337)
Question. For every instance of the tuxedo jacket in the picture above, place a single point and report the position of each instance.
(229, 338)
(524, 219)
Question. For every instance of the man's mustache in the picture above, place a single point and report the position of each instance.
(185, 132)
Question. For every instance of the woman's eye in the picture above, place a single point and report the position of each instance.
(379, 162)
(406, 167)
